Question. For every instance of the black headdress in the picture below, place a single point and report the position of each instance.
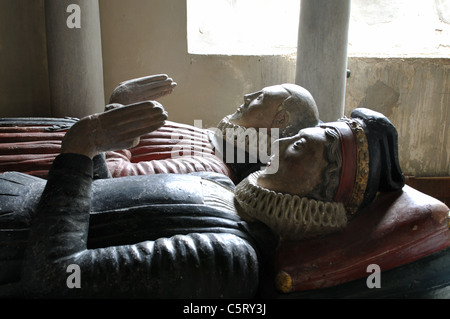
(369, 145)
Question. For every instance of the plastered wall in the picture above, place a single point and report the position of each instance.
(150, 37)
(24, 89)
(415, 95)
(141, 37)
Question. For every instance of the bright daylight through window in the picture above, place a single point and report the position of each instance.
(392, 28)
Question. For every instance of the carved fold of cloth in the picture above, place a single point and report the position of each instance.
(158, 236)
(174, 148)
(400, 232)
(29, 145)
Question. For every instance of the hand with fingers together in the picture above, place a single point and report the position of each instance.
(145, 88)
(116, 129)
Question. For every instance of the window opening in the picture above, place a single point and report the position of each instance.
(270, 27)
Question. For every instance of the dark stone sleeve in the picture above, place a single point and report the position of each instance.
(100, 167)
(207, 265)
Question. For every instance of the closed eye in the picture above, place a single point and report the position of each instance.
(248, 98)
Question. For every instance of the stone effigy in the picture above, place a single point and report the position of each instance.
(141, 236)
(30, 146)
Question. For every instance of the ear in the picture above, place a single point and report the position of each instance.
(281, 119)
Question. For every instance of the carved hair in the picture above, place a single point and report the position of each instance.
(326, 190)
(302, 109)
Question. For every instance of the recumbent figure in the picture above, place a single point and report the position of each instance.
(192, 235)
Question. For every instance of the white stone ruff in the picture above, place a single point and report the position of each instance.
(290, 216)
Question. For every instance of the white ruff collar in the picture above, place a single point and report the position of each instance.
(290, 216)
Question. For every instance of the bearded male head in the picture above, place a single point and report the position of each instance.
(288, 107)
(274, 112)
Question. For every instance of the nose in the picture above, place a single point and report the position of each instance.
(287, 140)
(282, 143)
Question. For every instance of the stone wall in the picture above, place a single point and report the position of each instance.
(415, 95)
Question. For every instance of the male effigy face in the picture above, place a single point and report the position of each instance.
(274, 112)
(259, 108)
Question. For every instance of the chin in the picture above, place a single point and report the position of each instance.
(263, 179)
(270, 169)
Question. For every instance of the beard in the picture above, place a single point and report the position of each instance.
(290, 216)
(256, 142)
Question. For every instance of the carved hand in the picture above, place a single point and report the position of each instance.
(142, 89)
(113, 130)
